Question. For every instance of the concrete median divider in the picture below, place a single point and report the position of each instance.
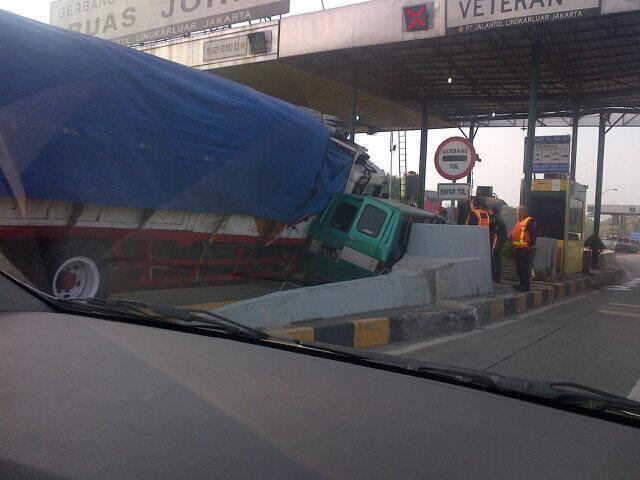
(398, 289)
(455, 258)
(444, 318)
(441, 262)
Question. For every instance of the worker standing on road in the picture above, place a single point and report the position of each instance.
(524, 237)
(444, 213)
(477, 214)
(498, 233)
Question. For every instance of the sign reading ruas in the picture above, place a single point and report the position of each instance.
(130, 22)
(467, 16)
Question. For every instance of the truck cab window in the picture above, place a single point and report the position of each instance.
(371, 221)
(405, 229)
(344, 216)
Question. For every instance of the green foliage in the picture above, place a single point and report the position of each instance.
(594, 243)
(508, 251)
(509, 216)
(545, 275)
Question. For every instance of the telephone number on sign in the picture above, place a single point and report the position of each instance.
(224, 48)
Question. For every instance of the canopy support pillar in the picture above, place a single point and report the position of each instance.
(422, 170)
(531, 127)
(354, 106)
(472, 136)
(574, 142)
(602, 132)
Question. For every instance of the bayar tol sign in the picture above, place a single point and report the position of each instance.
(454, 191)
(130, 22)
(467, 16)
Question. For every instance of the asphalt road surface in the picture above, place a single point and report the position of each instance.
(592, 339)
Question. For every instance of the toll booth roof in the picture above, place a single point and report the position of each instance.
(589, 59)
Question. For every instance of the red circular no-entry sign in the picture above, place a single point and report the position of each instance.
(455, 158)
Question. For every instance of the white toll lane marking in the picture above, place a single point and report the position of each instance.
(620, 313)
(449, 338)
(556, 304)
(625, 287)
(627, 273)
(634, 394)
(437, 341)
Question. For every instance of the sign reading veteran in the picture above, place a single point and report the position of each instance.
(130, 22)
(468, 16)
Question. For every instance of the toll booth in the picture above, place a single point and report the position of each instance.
(558, 206)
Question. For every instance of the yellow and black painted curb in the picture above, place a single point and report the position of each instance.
(372, 332)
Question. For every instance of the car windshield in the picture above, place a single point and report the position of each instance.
(442, 182)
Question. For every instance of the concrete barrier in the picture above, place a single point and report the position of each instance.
(545, 256)
(456, 259)
(442, 262)
(395, 290)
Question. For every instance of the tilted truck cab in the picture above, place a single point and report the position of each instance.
(358, 237)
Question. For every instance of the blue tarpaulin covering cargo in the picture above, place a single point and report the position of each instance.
(88, 121)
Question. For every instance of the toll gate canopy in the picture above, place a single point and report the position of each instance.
(476, 67)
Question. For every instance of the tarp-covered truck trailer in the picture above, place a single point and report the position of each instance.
(115, 162)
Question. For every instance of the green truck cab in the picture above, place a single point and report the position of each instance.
(359, 237)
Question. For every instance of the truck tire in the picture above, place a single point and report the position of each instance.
(78, 269)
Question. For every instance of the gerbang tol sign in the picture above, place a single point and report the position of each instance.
(130, 22)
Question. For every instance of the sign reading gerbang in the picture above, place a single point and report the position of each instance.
(467, 16)
(130, 22)
(455, 158)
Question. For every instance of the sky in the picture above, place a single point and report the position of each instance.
(501, 149)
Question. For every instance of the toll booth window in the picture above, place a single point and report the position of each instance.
(576, 219)
(549, 213)
(344, 216)
(371, 221)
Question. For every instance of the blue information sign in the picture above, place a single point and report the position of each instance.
(551, 154)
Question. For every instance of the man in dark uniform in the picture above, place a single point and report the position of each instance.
(524, 236)
(477, 214)
(498, 233)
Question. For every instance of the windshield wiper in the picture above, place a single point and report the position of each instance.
(577, 395)
(480, 379)
(201, 319)
(557, 394)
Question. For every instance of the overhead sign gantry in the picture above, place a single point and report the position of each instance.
(138, 21)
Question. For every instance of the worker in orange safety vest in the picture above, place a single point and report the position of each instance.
(524, 236)
(477, 214)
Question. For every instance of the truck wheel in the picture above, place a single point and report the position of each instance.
(78, 269)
